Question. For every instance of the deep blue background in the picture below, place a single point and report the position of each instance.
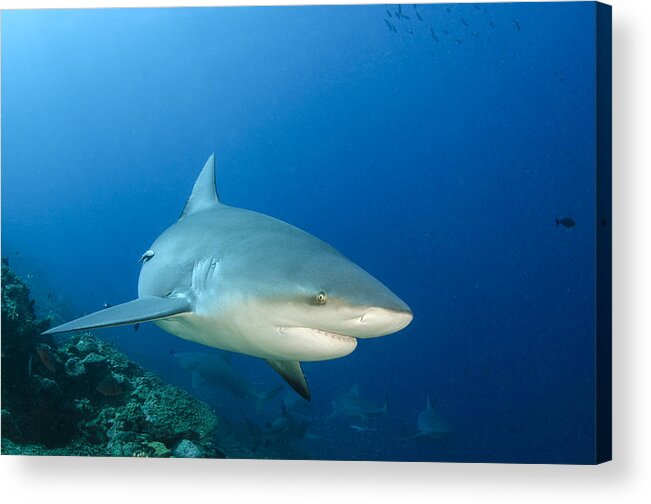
(437, 166)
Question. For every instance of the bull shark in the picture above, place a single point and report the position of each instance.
(217, 371)
(245, 282)
(352, 404)
(430, 423)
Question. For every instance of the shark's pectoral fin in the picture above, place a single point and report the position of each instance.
(143, 309)
(293, 374)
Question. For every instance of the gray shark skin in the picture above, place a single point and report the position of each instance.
(245, 282)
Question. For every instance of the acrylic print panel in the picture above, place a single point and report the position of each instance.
(411, 227)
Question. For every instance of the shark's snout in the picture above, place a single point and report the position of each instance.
(382, 321)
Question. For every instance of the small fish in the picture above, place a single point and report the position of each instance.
(567, 222)
(447, 9)
(43, 352)
(361, 428)
(492, 24)
(464, 22)
(388, 25)
(110, 387)
(517, 24)
(420, 18)
(389, 13)
(446, 33)
(433, 34)
(476, 7)
(406, 17)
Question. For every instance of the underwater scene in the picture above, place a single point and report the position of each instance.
(319, 232)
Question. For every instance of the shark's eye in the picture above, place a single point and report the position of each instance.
(321, 298)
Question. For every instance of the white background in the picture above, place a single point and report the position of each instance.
(626, 479)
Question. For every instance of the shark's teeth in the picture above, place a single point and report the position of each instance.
(310, 344)
(339, 337)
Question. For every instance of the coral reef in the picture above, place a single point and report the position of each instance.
(83, 397)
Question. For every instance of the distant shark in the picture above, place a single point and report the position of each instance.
(430, 423)
(217, 371)
(352, 404)
(245, 282)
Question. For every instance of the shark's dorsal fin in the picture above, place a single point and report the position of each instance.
(293, 374)
(143, 309)
(204, 193)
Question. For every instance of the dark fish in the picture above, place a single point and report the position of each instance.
(389, 13)
(419, 16)
(445, 32)
(43, 352)
(517, 24)
(405, 17)
(110, 387)
(568, 222)
(447, 9)
(136, 326)
(476, 6)
(464, 22)
(388, 25)
(492, 24)
(433, 34)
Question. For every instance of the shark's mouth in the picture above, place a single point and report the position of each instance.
(315, 344)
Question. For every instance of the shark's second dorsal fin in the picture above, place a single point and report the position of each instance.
(143, 309)
(293, 374)
(204, 192)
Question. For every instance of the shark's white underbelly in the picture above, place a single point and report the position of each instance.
(247, 336)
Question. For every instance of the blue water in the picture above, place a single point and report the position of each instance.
(439, 167)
